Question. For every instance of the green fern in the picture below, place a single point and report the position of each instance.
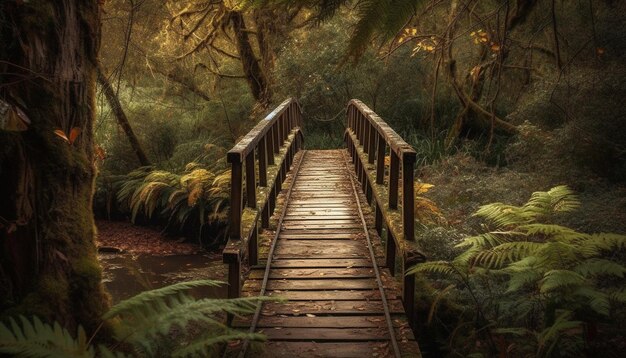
(527, 268)
(143, 298)
(38, 339)
(142, 321)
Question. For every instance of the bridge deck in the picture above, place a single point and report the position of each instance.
(323, 266)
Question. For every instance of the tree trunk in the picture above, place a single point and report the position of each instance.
(48, 263)
(122, 120)
(252, 70)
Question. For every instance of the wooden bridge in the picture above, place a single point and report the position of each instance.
(340, 238)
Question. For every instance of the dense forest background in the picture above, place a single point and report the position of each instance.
(501, 99)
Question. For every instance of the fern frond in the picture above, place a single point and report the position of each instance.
(502, 215)
(546, 229)
(522, 279)
(505, 253)
(549, 337)
(597, 266)
(199, 347)
(557, 279)
(486, 240)
(38, 339)
(558, 199)
(596, 299)
(147, 297)
(437, 267)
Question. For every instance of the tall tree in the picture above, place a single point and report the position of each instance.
(120, 115)
(48, 62)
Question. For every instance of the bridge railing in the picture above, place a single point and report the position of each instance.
(267, 150)
(369, 139)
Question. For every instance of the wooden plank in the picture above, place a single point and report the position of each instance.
(339, 216)
(323, 251)
(328, 334)
(313, 284)
(329, 225)
(288, 235)
(326, 307)
(321, 263)
(366, 295)
(328, 218)
(283, 349)
(312, 273)
(312, 321)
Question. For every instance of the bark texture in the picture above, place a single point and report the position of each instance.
(48, 62)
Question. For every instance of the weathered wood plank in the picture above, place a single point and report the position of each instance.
(312, 321)
(316, 262)
(283, 349)
(312, 273)
(313, 284)
(326, 307)
(366, 295)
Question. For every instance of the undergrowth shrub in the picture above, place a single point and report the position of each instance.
(529, 287)
(186, 201)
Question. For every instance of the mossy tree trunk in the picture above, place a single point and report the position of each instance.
(48, 261)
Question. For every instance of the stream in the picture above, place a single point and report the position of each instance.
(125, 274)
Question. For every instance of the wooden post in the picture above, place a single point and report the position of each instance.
(394, 174)
(236, 197)
(366, 137)
(250, 180)
(265, 216)
(234, 277)
(371, 142)
(408, 196)
(380, 160)
(269, 147)
(408, 290)
(272, 201)
(280, 122)
(378, 222)
(277, 142)
(390, 252)
(253, 248)
(262, 153)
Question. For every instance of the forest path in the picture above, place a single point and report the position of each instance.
(340, 302)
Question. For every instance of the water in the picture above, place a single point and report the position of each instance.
(125, 275)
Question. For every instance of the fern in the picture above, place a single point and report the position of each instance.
(526, 268)
(142, 321)
(38, 339)
(200, 347)
(141, 299)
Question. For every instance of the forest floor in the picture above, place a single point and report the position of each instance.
(129, 238)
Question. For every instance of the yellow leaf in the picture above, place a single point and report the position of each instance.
(413, 32)
(421, 188)
(61, 134)
(74, 133)
(475, 73)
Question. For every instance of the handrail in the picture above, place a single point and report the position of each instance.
(269, 150)
(369, 139)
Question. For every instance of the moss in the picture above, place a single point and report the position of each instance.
(53, 288)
